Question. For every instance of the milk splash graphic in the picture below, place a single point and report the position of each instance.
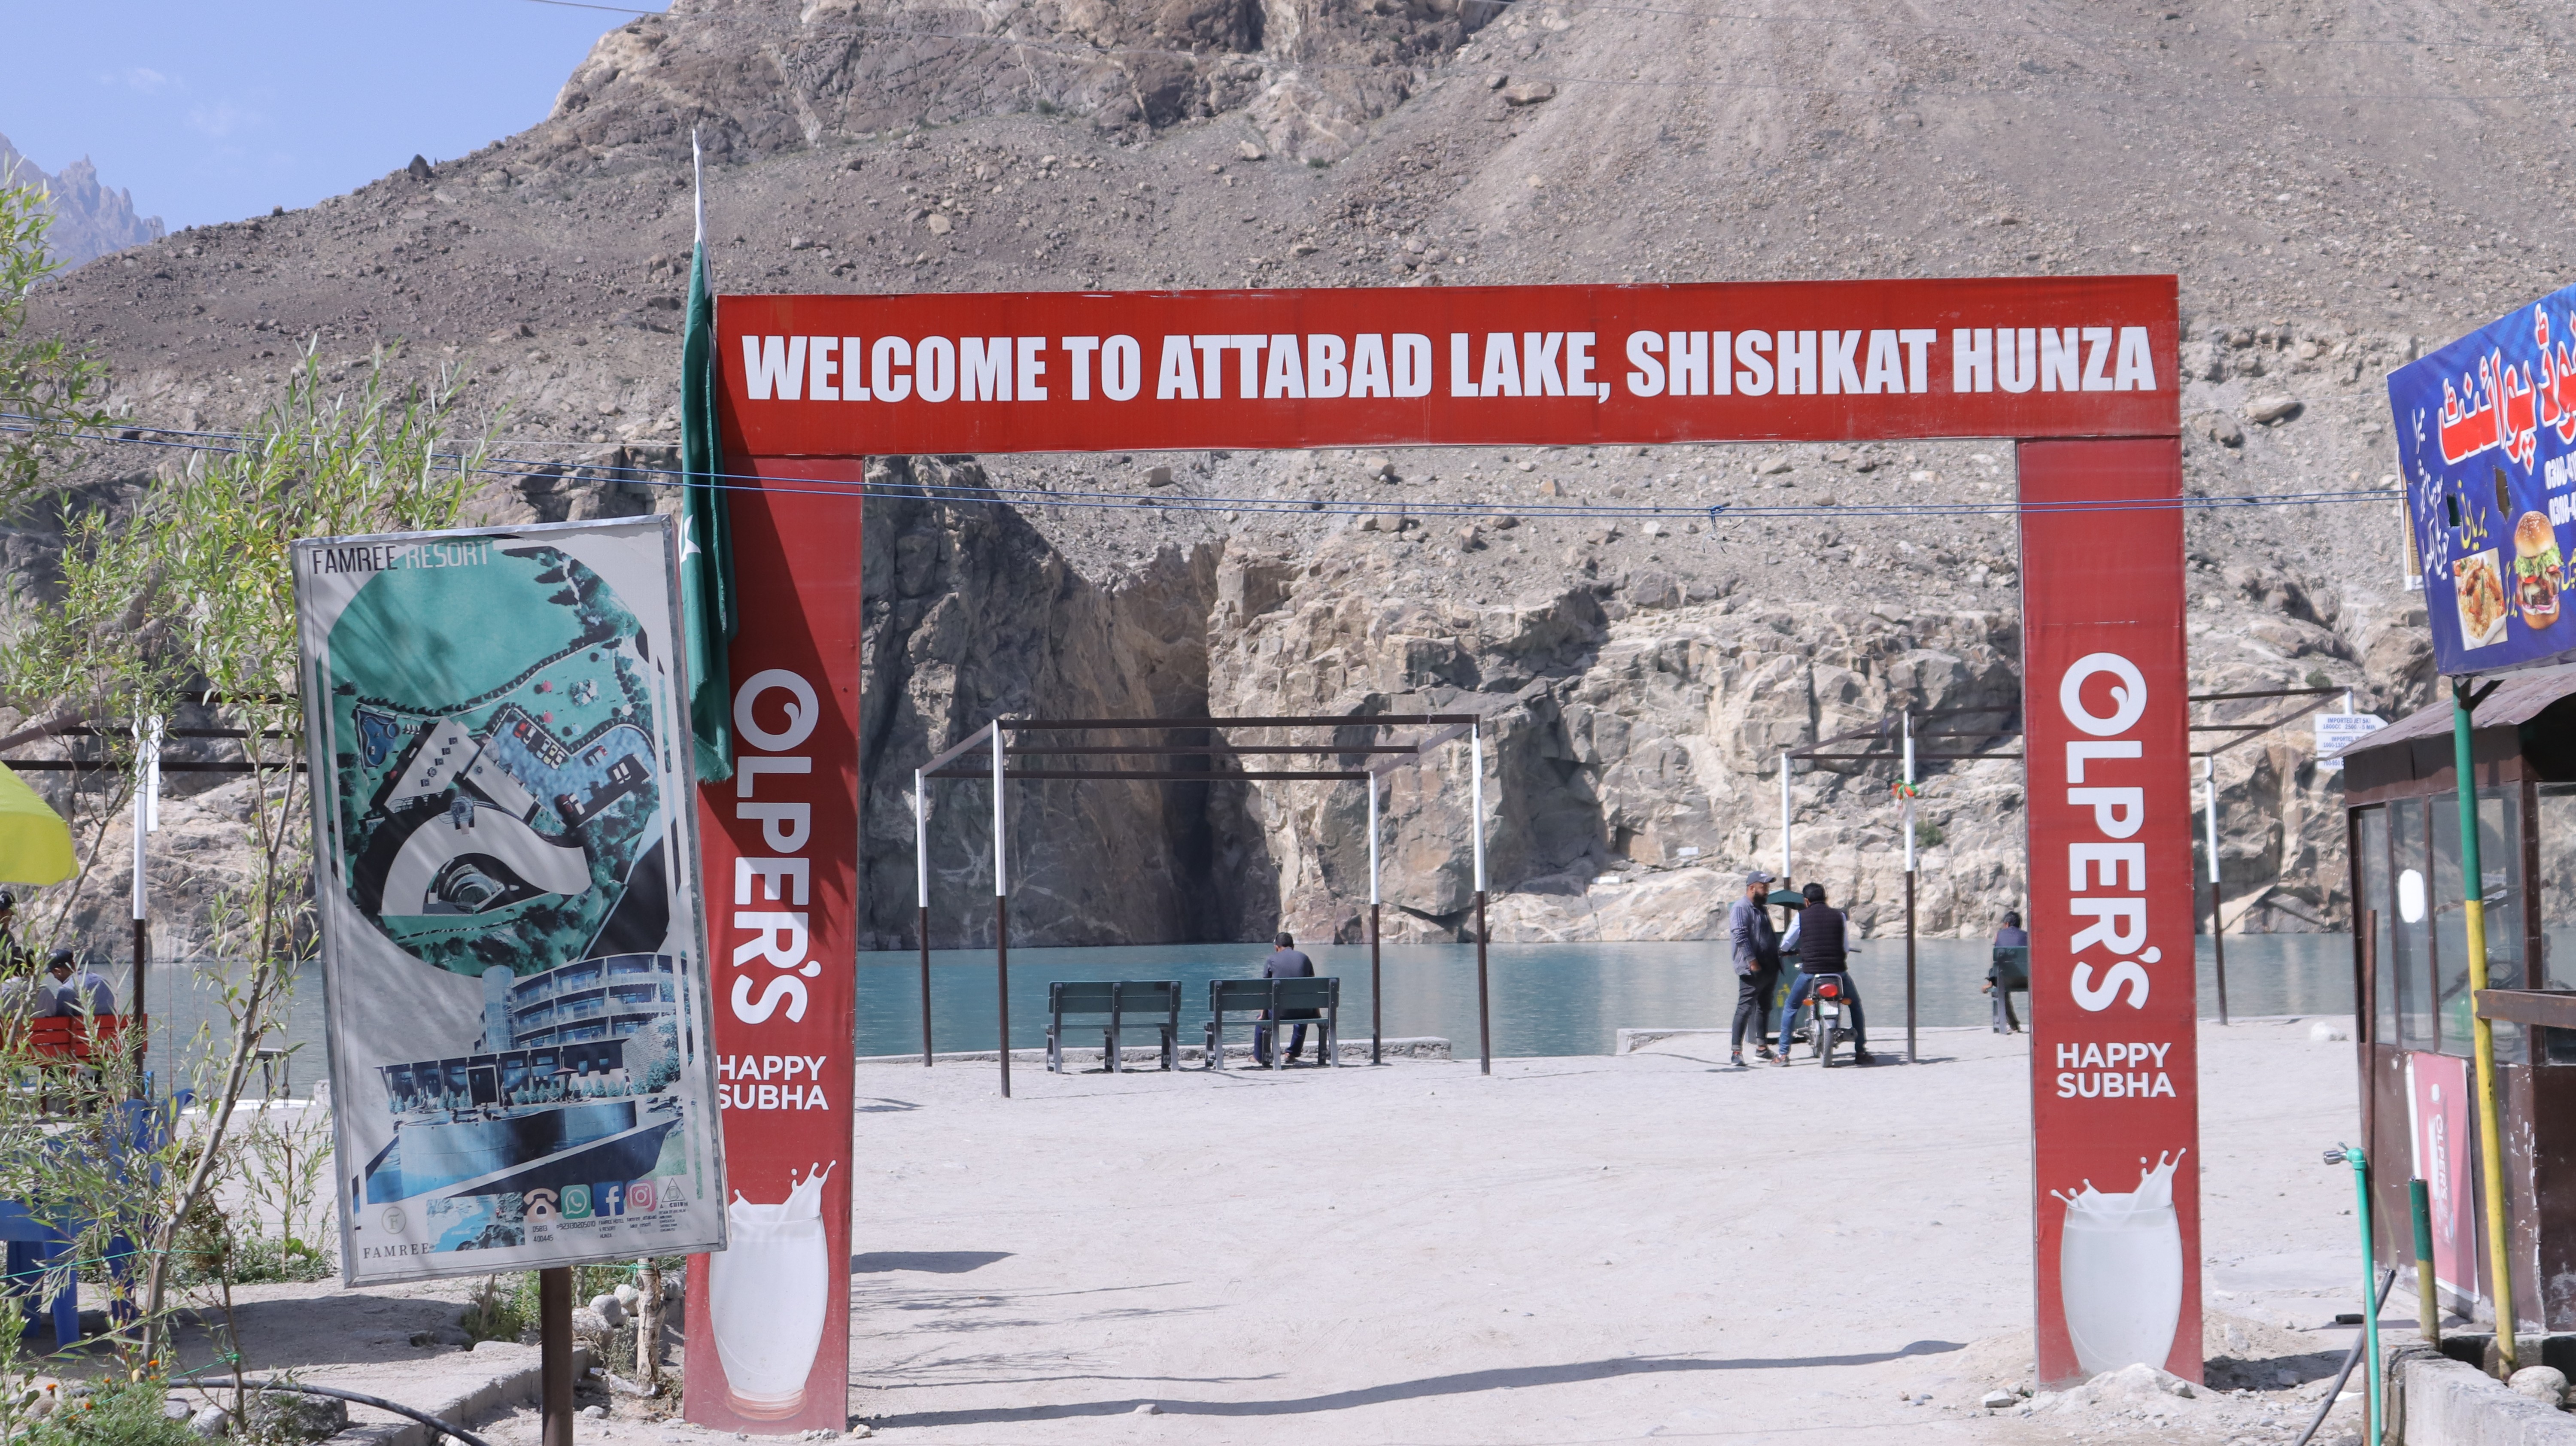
(766, 1296)
(2119, 1271)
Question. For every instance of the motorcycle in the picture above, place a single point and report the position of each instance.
(1824, 1018)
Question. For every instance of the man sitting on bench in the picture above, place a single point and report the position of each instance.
(1285, 962)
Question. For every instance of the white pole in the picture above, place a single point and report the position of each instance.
(1000, 883)
(2209, 773)
(147, 800)
(921, 838)
(1476, 793)
(1784, 820)
(1908, 810)
(2347, 702)
(1372, 788)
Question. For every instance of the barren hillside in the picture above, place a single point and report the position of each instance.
(2338, 185)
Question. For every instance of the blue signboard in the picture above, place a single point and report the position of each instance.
(2486, 432)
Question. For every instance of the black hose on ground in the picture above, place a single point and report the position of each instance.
(379, 1402)
(2351, 1359)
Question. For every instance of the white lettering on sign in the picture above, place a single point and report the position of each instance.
(1288, 367)
(775, 938)
(2119, 919)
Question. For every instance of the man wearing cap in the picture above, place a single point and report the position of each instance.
(1756, 948)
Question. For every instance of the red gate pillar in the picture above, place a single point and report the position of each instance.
(768, 1322)
(2114, 1067)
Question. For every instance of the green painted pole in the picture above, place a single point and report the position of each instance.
(2428, 1298)
(2490, 1132)
(2369, 1284)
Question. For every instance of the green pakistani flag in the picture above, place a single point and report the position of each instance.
(706, 542)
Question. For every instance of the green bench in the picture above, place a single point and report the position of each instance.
(1113, 1008)
(1273, 1003)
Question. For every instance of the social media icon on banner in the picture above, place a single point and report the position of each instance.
(540, 1204)
(576, 1202)
(608, 1199)
(639, 1196)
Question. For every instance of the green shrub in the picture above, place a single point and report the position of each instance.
(117, 1413)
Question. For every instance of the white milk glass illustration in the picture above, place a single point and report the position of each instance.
(766, 1294)
(2119, 1271)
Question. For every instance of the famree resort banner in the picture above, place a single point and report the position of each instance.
(505, 859)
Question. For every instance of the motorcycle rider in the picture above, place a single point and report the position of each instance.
(1817, 935)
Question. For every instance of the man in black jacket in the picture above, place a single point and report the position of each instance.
(1286, 962)
(1818, 938)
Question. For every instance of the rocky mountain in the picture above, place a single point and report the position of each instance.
(2339, 183)
(89, 219)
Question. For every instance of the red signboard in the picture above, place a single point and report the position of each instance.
(828, 376)
(2114, 1070)
(768, 1339)
(2437, 1105)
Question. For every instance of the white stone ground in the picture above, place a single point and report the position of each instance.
(1574, 1250)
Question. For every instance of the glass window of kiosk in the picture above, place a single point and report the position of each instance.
(2376, 911)
(2409, 974)
(2555, 820)
(2499, 851)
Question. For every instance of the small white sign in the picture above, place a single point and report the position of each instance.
(2338, 731)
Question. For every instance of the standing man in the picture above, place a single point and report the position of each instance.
(1821, 950)
(1755, 946)
(1285, 962)
(2009, 971)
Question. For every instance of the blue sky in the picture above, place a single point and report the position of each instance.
(212, 112)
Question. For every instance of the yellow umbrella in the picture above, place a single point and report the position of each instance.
(35, 843)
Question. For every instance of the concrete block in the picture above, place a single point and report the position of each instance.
(2436, 1401)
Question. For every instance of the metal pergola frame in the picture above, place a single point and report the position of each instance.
(1445, 728)
(1892, 738)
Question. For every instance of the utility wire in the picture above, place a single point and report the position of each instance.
(524, 469)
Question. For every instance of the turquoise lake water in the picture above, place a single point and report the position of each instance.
(1548, 999)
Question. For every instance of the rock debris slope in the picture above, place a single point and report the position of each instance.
(2339, 185)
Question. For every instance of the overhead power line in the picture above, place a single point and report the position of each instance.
(521, 468)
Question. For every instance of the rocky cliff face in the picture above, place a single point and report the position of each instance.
(89, 219)
(1643, 679)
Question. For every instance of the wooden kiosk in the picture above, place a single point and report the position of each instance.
(2414, 1005)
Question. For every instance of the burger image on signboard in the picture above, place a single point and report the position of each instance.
(2537, 577)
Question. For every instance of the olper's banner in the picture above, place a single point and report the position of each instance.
(513, 955)
(2486, 430)
(2114, 1072)
(782, 850)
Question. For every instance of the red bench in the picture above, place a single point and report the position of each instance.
(73, 1037)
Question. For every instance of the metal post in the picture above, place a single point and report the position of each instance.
(1001, 916)
(2490, 1131)
(147, 817)
(2428, 1295)
(1908, 821)
(2360, 1162)
(921, 881)
(554, 1356)
(1784, 820)
(2217, 919)
(1476, 795)
(1377, 990)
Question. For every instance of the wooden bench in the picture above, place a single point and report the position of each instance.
(1262, 1001)
(1113, 1007)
